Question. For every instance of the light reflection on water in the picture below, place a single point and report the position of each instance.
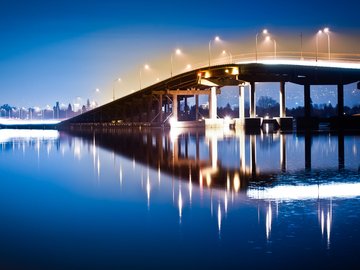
(261, 194)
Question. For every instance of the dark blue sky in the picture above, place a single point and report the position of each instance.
(64, 50)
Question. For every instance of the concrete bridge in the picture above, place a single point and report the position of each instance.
(159, 104)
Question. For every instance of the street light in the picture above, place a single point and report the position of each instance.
(317, 43)
(215, 39)
(146, 67)
(268, 38)
(228, 53)
(327, 32)
(117, 80)
(264, 32)
(177, 52)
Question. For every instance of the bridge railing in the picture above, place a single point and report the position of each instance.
(281, 55)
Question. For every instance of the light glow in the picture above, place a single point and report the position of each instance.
(8, 135)
(305, 63)
(306, 192)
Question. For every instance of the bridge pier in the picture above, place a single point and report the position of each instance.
(196, 107)
(282, 100)
(160, 108)
(241, 120)
(340, 100)
(307, 101)
(175, 107)
(252, 100)
(212, 121)
(212, 104)
(284, 122)
(254, 122)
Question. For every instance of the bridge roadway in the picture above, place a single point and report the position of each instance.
(159, 104)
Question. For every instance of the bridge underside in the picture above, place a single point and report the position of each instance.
(159, 104)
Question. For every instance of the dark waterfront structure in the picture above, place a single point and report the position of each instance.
(159, 104)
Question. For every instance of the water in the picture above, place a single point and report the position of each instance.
(153, 200)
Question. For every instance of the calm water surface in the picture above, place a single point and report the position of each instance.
(171, 200)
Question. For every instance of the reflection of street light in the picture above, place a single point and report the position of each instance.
(317, 43)
(188, 66)
(177, 52)
(146, 67)
(228, 53)
(117, 80)
(216, 39)
(327, 32)
(264, 32)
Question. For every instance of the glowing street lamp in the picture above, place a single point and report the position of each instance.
(146, 67)
(264, 32)
(117, 80)
(215, 39)
(327, 32)
(228, 53)
(177, 52)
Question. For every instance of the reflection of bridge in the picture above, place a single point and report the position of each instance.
(157, 104)
(185, 156)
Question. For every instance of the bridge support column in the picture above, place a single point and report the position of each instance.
(282, 100)
(160, 109)
(340, 99)
(252, 100)
(242, 103)
(212, 121)
(212, 104)
(252, 123)
(175, 107)
(149, 109)
(241, 120)
(196, 107)
(284, 122)
(307, 100)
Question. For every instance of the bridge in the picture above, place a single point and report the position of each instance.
(158, 105)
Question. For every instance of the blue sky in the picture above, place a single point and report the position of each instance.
(63, 50)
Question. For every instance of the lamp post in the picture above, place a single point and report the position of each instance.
(177, 52)
(264, 32)
(268, 38)
(275, 48)
(216, 39)
(327, 32)
(117, 80)
(317, 44)
(228, 53)
(146, 67)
